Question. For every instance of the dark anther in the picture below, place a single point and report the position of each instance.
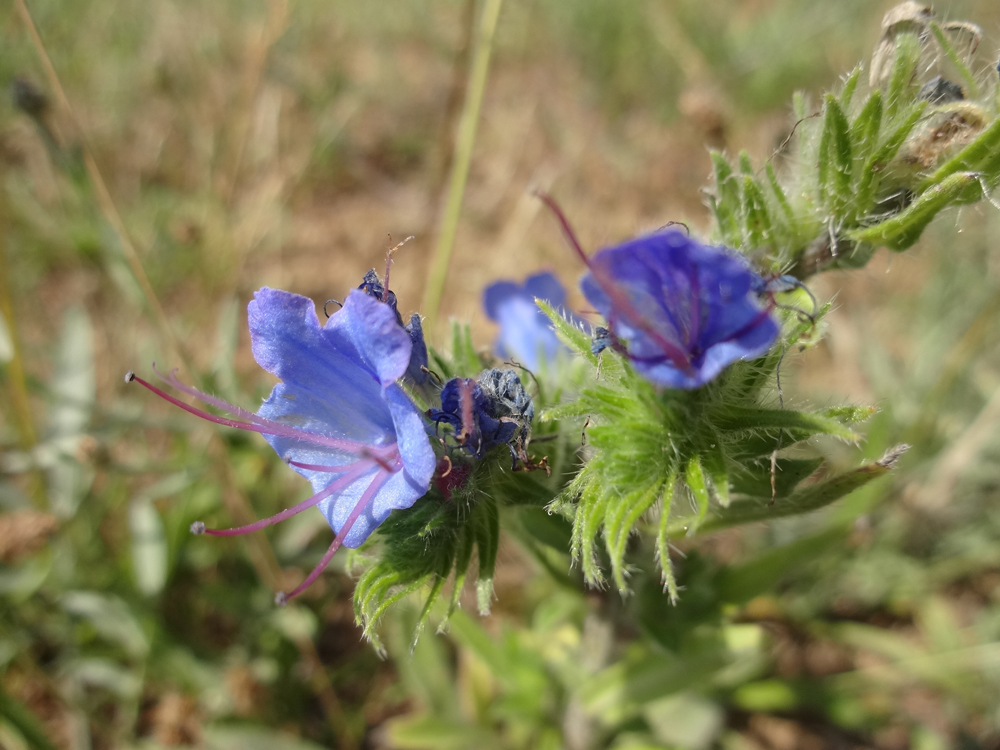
(433, 374)
(338, 303)
(940, 90)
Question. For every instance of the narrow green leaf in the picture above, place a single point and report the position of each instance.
(628, 512)
(434, 733)
(746, 166)
(781, 197)
(25, 722)
(436, 587)
(573, 337)
(755, 478)
(969, 80)
(757, 219)
(663, 539)
(805, 500)
(900, 90)
(742, 583)
(850, 85)
(835, 161)
(869, 180)
(902, 230)
(462, 561)
(726, 202)
(866, 127)
(487, 526)
(738, 419)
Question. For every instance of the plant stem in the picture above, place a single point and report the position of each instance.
(461, 162)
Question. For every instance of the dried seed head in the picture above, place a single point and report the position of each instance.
(905, 18)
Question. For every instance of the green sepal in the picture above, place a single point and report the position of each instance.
(575, 338)
(866, 127)
(805, 500)
(781, 198)
(726, 202)
(714, 464)
(835, 163)
(756, 218)
(619, 527)
(663, 538)
(486, 522)
(902, 230)
(850, 85)
(746, 419)
(869, 179)
(694, 478)
(908, 50)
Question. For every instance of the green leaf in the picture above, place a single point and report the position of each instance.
(968, 79)
(781, 197)
(432, 733)
(487, 528)
(742, 583)
(757, 219)
(743, 419)
(620, 525)
(230, 737)
(870, 176)
(805, 500)
(755, 478)
(866, 127)
(835, 160)
(575, 338)
(149, 546)
(850, 85)
(25, 722)
(620, 692)
(904, 229)
(663, 539)
(726, 202)
(900, 90)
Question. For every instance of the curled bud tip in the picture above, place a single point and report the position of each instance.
(129, 376)
(280, 599)
(198, 528)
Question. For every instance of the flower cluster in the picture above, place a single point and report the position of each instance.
(340, 417)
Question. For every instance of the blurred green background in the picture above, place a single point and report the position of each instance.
(249, 143)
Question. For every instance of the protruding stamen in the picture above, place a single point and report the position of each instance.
(377, 481)
(129, 376)
(198, 528)
(608, 285)
(256, 423)
(388, 265)
(353, 471)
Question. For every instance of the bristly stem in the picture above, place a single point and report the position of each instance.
(460, 165)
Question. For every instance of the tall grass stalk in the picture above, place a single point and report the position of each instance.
(460, 164)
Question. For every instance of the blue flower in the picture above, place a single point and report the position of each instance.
(525, 332)
(493, 410)
(338, 417)
(416, 370)
(681, 311)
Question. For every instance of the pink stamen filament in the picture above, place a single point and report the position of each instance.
(352, 473)
(376, 484)
(259, 424)
(608, 285)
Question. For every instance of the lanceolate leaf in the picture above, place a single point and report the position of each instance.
(738, 419)
(803, 501)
